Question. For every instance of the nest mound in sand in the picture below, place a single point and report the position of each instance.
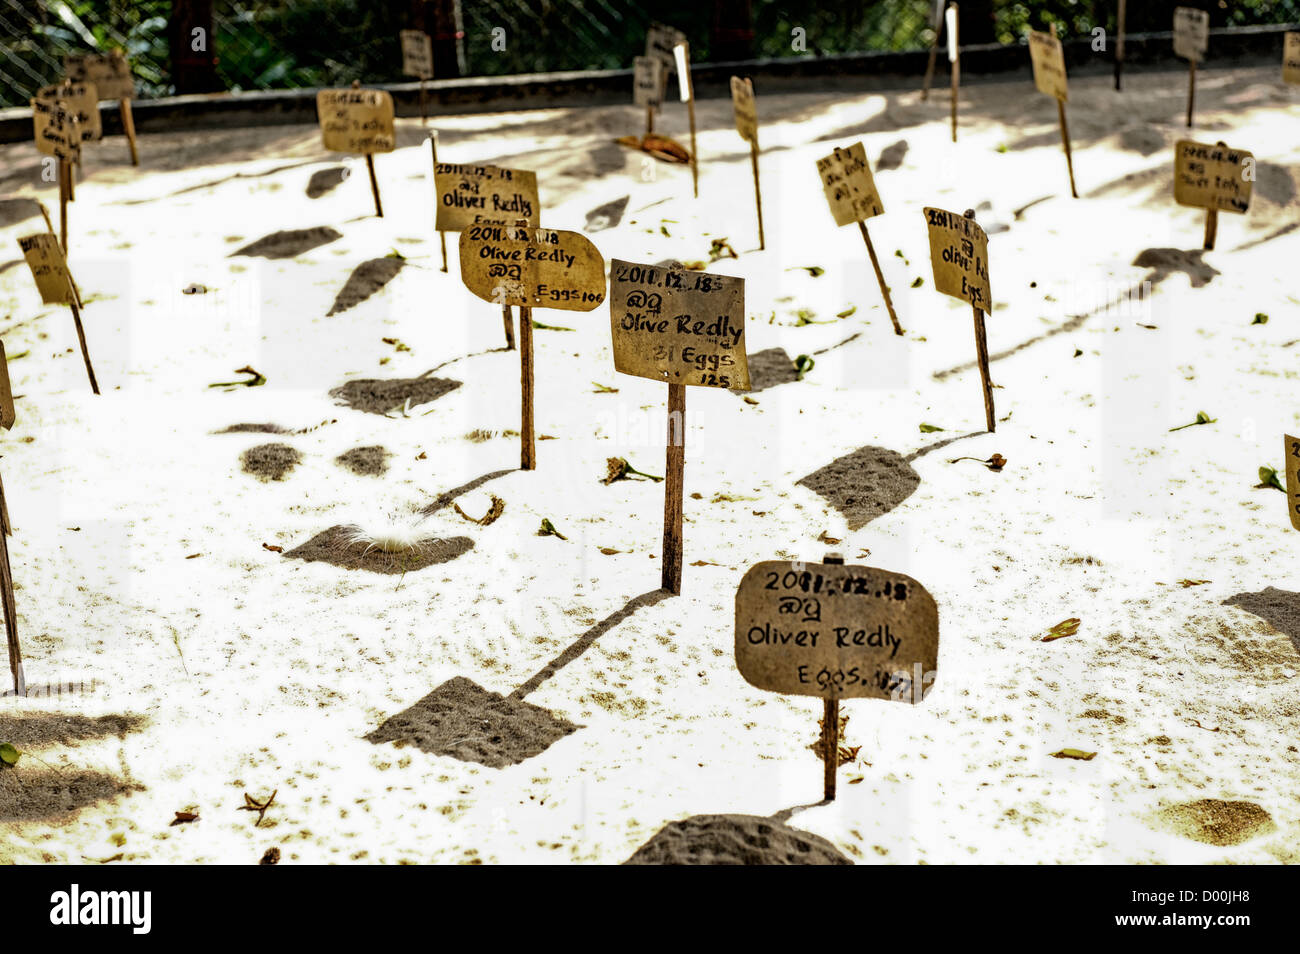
(1216, 822)
(735, 840)
(377, 396)
(340, 547)
(270, 461)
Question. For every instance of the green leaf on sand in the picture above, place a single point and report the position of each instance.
(802, 365)
(1201, 418)
(1268, 478)
(9, 753)
(929, 428)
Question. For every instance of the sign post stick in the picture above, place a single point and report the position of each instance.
(830, 726)
(81, 337)
(527, 450)
(880, 277)
(929, 69)
(1211, 228)
(1065, 134)
(508, 319)
(63, 204)
(442, 235)
(1120, 17)
(11, 619)
(682, 55)
(128, 126)
(758, 191)
(674, 473)
(954, 57)
(982, 353)
(1191, 89)
(374, 185)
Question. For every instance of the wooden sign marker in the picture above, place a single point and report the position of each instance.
(1291, 460)
(959, 254)
(1213, 178)
(56, 134)
(1191, 41)
(936, 27)
(1121, 17)
(1291, 58)
(851, 193)
(746, 113)
(647, 88)
(7, 418)
(110, 74)
(54, 281)
(1048, 59)
(835, 632)
(680, 327)
(417, 60)
(531, 268)
(358, 121)
(484, 195)
(442, 233)
(954, 57)
(682, 53)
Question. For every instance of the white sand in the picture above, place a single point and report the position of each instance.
(242, 671)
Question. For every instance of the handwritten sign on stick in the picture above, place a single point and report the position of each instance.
(660, 41)
(7, 415)
(532, 267)
(54, 127)
(1191, 33)
(959, 256)
(848, 184)
(109, 73)
(1291, 458)
(836, 631)
(356, 120)
(417, 54)
(1212, 177)
(82, 101)
(45, 259)
(1291, 58)
(647, 82)
(744, 108)
(484, 195)
(678, 326)
(1049, 65)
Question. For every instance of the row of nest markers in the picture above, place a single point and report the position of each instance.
(824, 630)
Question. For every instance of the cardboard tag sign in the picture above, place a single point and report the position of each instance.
(678, 326)
(109, 73)
(484, 195)
(1291, 459)
(959, 256)
(531, 267)
(7, 415)
(742, 103)
(850, 189)
(82, 100)
(660, 41)
(1291, 58)
(417, 54)
(45, 259)
(647, 82)
(356, 120)
(1048, 58)
(55, 131)
(1191, 33)
(836, 631)
(1212, 177)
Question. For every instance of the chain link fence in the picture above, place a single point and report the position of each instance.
(285, 44)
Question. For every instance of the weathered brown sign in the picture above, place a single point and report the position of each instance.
(1291, 459)
(1048, 59)
(82, 100)
(484, 195)
(55, 130)
(1191, 33)
(647, 82)
(679, 326)
(660, 41)
(417, 54)
(848, 184)
(836, 631)
(959, 256)
(7, 415)
(356, 120)
(1213, 177)
(532, 267)
(45, 259)
(1291, 58)
(109, 73)
(743, 105)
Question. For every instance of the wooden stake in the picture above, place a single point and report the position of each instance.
(674, 471)
(1120, 18)
(1191, 90)
(374, 184)
(830, 727)
(424, 112)
(1211, 228)
(527, 452)
(695, 167)
(72, 181)
(63, 205)
(442, 236)
(929, 68)
(649, 120)
(508, 317)
(128, 124)
(81, 337)
(758, 192)
(880, 277)
(5, 526)
(1065, 141)
(955, 55)
(11, 619)
(982, 355)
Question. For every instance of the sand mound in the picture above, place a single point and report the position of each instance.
(17, 210)
(465, 721)
(339, 547)
(290, 243)
(608, 215)
(1166, 261)
(1217, 822)
(891, 157)
(769, 368)
(31, 791)
(365, 461)
(735, 840)
(325, 180)
(865, 484)
(270, 461)
(254, 429)
(366, 279)
(376, 396)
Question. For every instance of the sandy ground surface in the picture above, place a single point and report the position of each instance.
(507, 697)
